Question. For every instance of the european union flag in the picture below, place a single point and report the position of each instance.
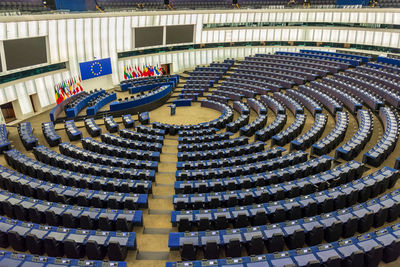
(95, 68)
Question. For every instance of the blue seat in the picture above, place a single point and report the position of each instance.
(20, 259)
(371, 247)
(119, 151)
(73, 108)
(353, 146)
(110, 124)
(128, 121)
(25, 132)
(311, 136)
(4, 143)
(50, 134)
(72, 131)
(326, 144)
(323, 201)
(92, 127)
(376, 155)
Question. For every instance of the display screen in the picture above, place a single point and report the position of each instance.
(25, 52)
(148, 36)
(179, 34)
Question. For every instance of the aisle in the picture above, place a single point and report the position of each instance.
(152, 238)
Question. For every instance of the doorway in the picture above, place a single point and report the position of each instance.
(33, 103)
(8, 112)
(166, 68)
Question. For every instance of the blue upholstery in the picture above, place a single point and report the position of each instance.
(329, 142)
(358, 141)
(377, 154)
(308, 102)
(20, 259)
(90, 111)
(359, 190)
(259, 167)
(115, 150)
(50, 134)
(4, 143)
(73, 111)
(142, 100)
(363, 59)
(144, 81)
(183, 102)
(344, 61)
(312, 135)
(72, 131)
(348, 100)
(25, 132)
(24, 161)
(330, 103)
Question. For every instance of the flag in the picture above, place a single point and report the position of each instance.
(60, 91)
(134, 73)
(125, 74)
(70, 89)
(156, 70)
(140, 72)
(137, 71)
(64, 87)
(130, 72)
(80, 87)
(57, 96)
(95, 68)
(60, 95)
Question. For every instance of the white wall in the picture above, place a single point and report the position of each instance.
(75, 38)
(103, 82)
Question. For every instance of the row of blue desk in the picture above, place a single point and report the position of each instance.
(142, 100)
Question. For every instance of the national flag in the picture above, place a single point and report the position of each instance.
(134, 71)
(60, 91)
(60, 95)
(140, 71)
(130, 72)
(134, 74)
(125, 74)
(69, 88)
(137, 71)
(156, 70)
(80, 87)
(58, 101)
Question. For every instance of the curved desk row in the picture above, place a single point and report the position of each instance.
(60, 107)
(145, 99)
(148, 87)
(125, 85)
(72, 112)
(93, 109)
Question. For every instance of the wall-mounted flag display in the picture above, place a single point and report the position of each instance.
(95, 68)
(67, 88)
(144, 71)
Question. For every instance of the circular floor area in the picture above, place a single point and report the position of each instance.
(184, 115)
